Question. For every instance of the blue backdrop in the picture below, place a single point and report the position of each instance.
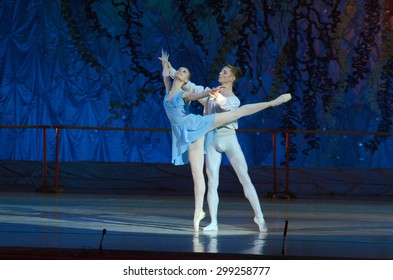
(95, 63)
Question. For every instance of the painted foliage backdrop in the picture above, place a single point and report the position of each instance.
(94, 63)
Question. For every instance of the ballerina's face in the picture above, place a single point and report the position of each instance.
(183, 74)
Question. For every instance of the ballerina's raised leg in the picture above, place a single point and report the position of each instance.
(248, 109)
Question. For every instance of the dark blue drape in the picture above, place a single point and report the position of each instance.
(94, 63)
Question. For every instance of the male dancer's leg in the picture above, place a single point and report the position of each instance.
(236, 158)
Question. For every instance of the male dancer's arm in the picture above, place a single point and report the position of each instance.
(227, 103)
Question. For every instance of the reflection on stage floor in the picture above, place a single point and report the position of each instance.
(159, 226)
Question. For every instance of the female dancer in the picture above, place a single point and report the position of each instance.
(188, 130)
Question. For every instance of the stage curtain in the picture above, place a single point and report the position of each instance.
(95, 64)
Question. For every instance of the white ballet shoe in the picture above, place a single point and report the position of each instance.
(283, 98)
(261, 224)
(198, 219)
(211, 227)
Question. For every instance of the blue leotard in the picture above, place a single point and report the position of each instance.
(186, 127)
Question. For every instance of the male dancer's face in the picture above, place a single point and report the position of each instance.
(226, 77)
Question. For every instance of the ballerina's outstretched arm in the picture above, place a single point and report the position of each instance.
(165, 69)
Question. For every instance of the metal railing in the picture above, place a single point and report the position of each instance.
(273, 132)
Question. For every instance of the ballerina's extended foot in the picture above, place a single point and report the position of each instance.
(211, 227)
(197, 219)
(261, 224)
(281, 99)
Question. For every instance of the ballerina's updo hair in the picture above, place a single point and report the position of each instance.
(235, 71)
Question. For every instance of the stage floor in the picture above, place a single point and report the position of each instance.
(159, 226)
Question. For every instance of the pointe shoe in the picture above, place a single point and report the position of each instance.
(283, 98)
(197, 220)
(261, 224)
(211, 227)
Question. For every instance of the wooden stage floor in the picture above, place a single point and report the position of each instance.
(159, 226)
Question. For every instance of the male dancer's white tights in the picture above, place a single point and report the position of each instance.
(225, 141)
(195, 154)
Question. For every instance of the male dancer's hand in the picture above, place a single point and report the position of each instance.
(215, 91)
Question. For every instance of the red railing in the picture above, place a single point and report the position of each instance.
(274, 133)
